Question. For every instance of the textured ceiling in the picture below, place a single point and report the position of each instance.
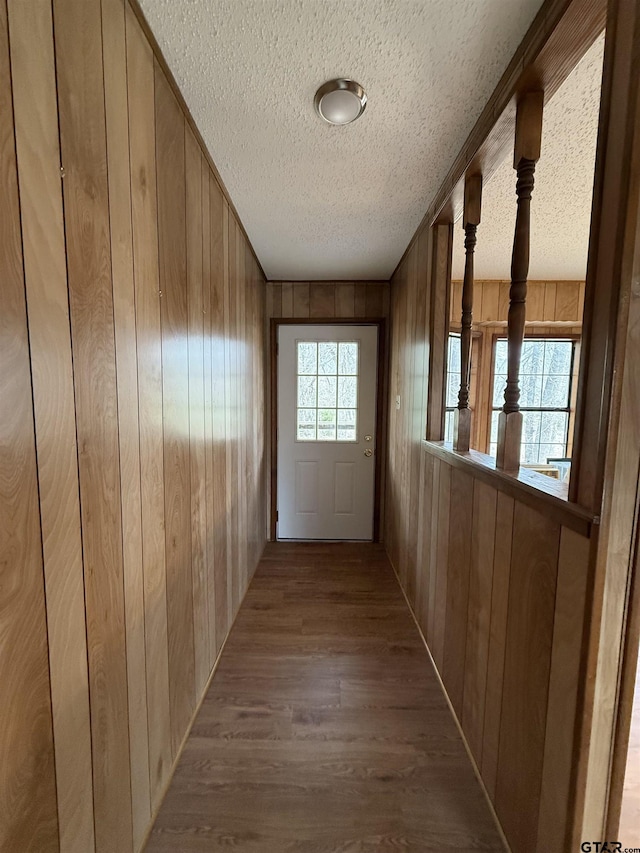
(324, 202)
(561, 203)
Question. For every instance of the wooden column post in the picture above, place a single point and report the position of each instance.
(470, 221)
(526, 154)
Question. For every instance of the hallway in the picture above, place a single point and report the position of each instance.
(324, 728)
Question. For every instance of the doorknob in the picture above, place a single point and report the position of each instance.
(368, 452)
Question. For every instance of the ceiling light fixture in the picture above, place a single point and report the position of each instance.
(340, 101)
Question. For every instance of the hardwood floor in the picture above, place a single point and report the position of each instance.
(324, 728)
(629, 833)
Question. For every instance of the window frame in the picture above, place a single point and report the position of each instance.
(475, 385)
(546, 335)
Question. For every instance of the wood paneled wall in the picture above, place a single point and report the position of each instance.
(547, 302)
(497, 578)
(132, 459)
(325, 300)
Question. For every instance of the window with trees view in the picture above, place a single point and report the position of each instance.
(545, 396)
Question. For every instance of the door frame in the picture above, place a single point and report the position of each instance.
(381, 385)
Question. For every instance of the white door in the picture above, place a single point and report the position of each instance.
(327, 378)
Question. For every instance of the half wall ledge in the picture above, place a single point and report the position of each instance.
(530, 487)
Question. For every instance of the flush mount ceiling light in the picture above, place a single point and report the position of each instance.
(340, 101)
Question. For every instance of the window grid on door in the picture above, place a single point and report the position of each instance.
(327, 390)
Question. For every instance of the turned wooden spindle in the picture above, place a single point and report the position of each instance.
(470, 221)
(526, 155)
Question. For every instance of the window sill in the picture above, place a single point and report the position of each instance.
(534, 489)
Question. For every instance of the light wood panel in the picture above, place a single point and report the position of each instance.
(37, 143)
(170, 152)
(115, 392)
(564, 684)
(28, 814)
(195, 313)
(499, 610)
(328, 299)
(81, 99)
(547, 302)
(220, 408)
(529, 641)
(142, 160)
(117, 126)
(457, 600)
(483, 534)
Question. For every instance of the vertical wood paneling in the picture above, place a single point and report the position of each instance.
(170, 153)
(479, 615)
(532, 588)
(33, 75)
(301, 299)
(195, 308)
(117, 125)
(287, 299)
(241, 398)
(360, 299)
(479, 567)
(459, 560)
(142, 157)
(322, 299)
(207, 355)
(28, 819)
(113, 481)
(442, 562)
(563, 690)
(78, 36)
(231, 321)
(229, 369)
(274, 307)
(220, 408)
(497, 640)
(345, 299)
(433, 525)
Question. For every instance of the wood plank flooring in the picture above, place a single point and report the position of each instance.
(324, 728)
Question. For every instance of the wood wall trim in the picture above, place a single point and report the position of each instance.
(440, 256)
(155, 47)
(561, 33)
(529, 487)
(611, 244)
(610, 452)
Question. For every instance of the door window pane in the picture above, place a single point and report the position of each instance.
(328, 357)
(307, 358)
(307, 390)
(327, 386)
(348, 359)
